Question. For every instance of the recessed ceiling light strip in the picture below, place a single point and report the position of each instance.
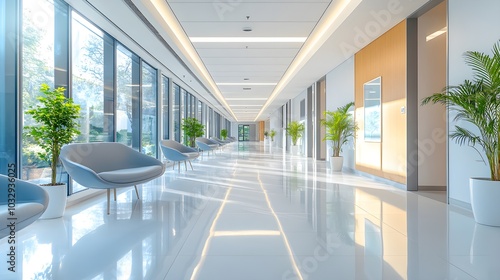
(177, 33)
(331, 20)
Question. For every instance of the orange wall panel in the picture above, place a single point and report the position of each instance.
(385, 57)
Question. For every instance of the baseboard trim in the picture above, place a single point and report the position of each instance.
(375, 178)
(460, 204)
(432, 188)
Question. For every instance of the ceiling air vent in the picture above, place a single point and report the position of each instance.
(247, 88)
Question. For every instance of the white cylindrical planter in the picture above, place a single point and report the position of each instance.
(57, 201)
(336, 163)
(294, 150)
(485, 201)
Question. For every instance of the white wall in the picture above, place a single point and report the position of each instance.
(340, 91)
(276, 122)
(472, 25)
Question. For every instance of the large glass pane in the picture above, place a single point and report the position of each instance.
(176, 112)
(127, 111)
(199, 112)
(37, 68)
(88, 79)
(165, 108)
(8, 76)
(149, 100)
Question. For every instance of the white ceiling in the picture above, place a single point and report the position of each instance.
(268, 62)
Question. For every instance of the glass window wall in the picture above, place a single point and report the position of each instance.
(149, 101)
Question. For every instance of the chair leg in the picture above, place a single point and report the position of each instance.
(185, 165)
(173, 166)
(108, 199)
(114, 190)
(190, 164)
(137, 192)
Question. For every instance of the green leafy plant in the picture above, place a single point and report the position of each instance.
(192, 128)
(477, 101)
(272, 133)
(223, 134)
(266, 134)
(295, 130)
(56, 116)
(339, 125)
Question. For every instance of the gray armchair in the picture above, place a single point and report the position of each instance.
(31, 202)
(108, 165)
(206, 144)
(176, 152)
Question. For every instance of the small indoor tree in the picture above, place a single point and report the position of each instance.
(56, 117)
(223, 134)
(192, 128)
(272, 133)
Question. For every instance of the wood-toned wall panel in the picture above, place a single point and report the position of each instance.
(384, 57)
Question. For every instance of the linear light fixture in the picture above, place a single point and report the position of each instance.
(436, 34)
(248, 39)
(246, 105)
(247, 233)
(175, 30)
(246, 84)
(245, 99)
(331, 20)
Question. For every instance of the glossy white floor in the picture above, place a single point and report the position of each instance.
(251, 213)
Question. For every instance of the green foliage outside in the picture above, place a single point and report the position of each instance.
(295, 130)
(223, 134)
(339, 126)
(56, 117)
(272, 133)
(477, 101)
(192, 128)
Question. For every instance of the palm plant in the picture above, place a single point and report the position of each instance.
(295, 130)
(478, 102)
(192, 128)
(339, 126)
(272, 133)
(57, 117)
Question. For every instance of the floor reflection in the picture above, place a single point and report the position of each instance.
(251, 212)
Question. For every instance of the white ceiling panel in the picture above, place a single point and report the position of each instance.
(259, 29)
(229, 53)
(246, 61)
(243, 46)
(263, 11)
(246, 67)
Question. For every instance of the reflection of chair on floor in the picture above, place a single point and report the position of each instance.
(108, 165)
(31, 202)
(206, 144)
(176, 152)
(104, 247)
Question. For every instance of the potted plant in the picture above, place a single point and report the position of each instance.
(223, 134)
(272, 133)
(56, 116)
(192, 128)
(478, 101)
(295, 130)
(266, 135)
(340, 126)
